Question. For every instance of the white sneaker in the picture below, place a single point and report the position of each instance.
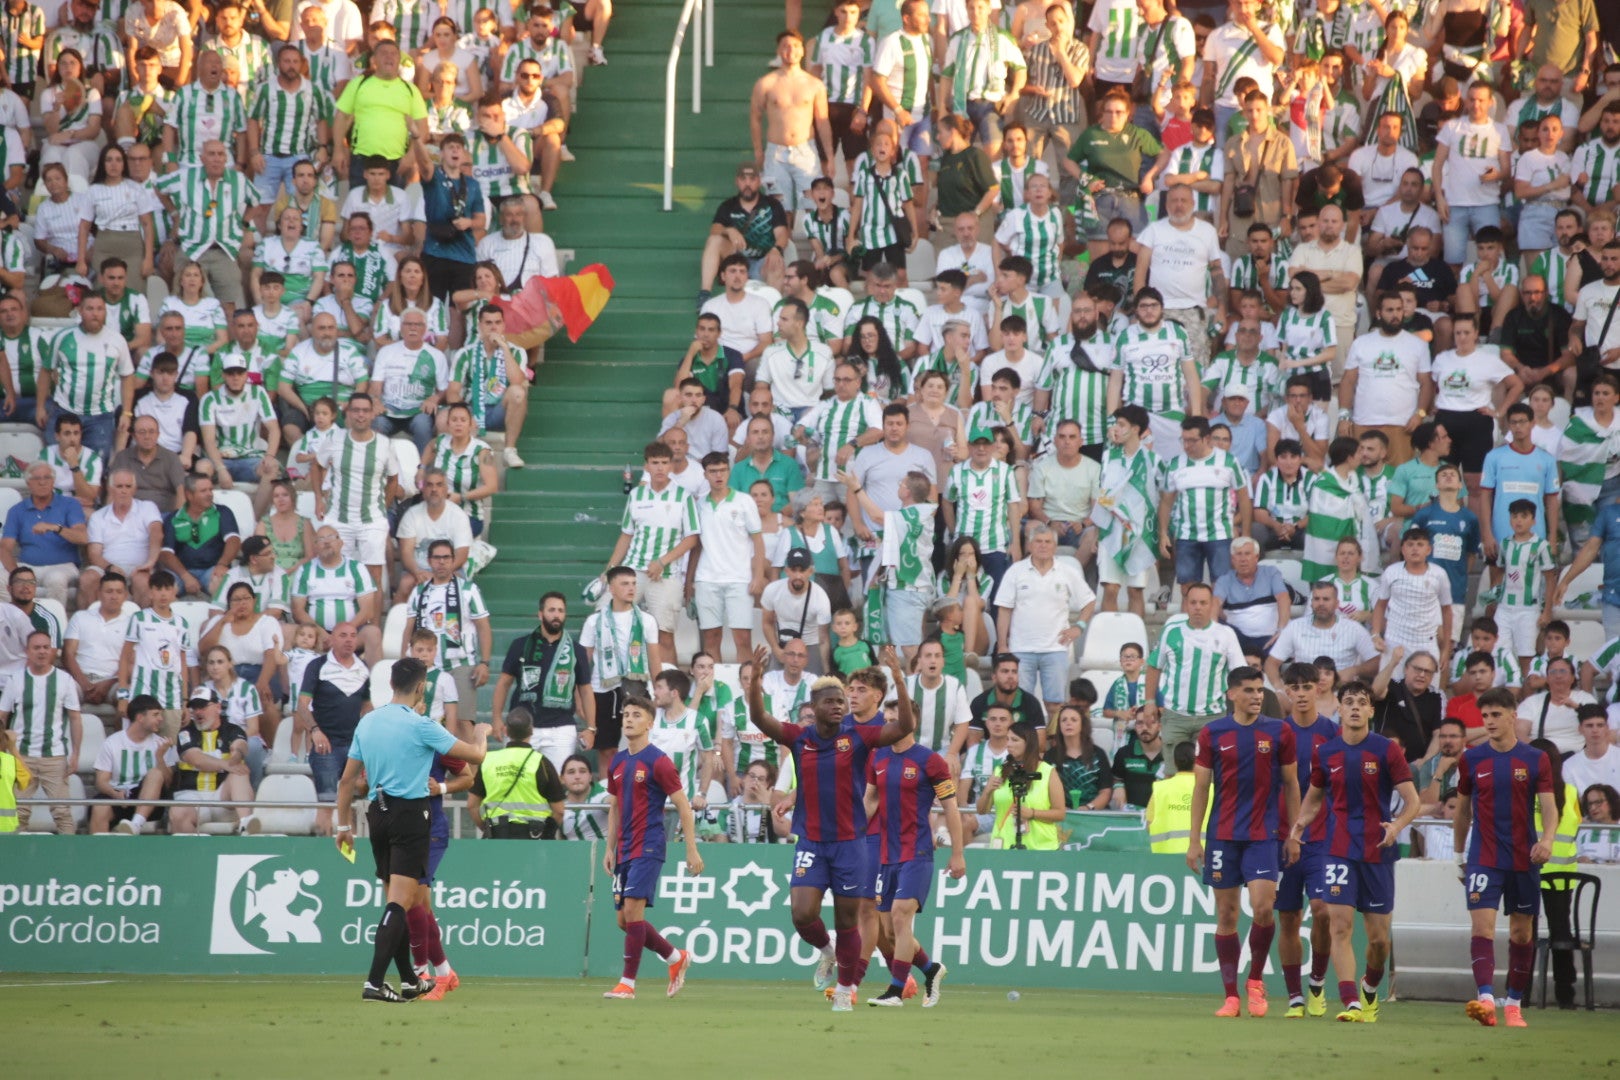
(597, 58)
(124, 828)
(249, 826)
(565, 154)
(826, 969)
(546, 201)
(512, 458)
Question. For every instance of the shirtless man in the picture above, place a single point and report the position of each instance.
(787, 103)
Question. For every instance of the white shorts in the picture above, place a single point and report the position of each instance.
(1109, 573)
(206, 815)
(724, 603)
(662, 599)
(1166, 431)
(367, 544)
(1518, 627)
(556, 743)
(789, 172)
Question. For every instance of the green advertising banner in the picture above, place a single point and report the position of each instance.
(278, 905)
(1101, 920)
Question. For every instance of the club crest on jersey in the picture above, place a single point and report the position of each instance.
(1262, 746)
(1370, 768)
(1521, 773)
(843, 744)
(641, 774)
(909, 773)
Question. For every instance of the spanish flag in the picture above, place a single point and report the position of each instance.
(547, 304)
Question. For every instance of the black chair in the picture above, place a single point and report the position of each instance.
(1583, 929)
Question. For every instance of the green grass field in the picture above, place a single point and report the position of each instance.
(138, 1027)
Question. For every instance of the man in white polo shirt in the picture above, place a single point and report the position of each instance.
(730, 572)
(126, 537)
(1383, 386)
(797, 369)
(94, 641)
(1042, 607)
(1180, 256)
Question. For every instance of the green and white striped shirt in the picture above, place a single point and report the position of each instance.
(1203, 505)
(289, 117)
(125, 761)
(1039, 313)
(236, 419)
(1188, 159)
(429, 606)
(1246, 276)
(982, 499)
(38, 707)
(899, 317)
(1286, 500)
(463, 469)
(1304, 336)
(836, 424)
(88, 370)
(332, 592)
(553, 57)
(655, 521)
(1151, 361)
(980, 66)
(1039, 238)
(334, 374)
(1355, 596)
(1118, 25)
(883, 201)
(905, 62)
(1595, 167)
(979, 764)
(492, 170)
(299, 266)
(240, 703)
(271, 592)
(208, 212)
(1524, 564)
(92, 466)
(412, 20)
(844, 60)
(1505, 274)
(385, 323)
(199, 115)
(587, 824)
(252, 56)
(164, 649)
(22, 63)
(372, 270)
(685, 740)
(357, 477)
(1259, 381)
(983, 419)
(830, 234)
(1081, 396)
(1553, 267)
(1193, 665)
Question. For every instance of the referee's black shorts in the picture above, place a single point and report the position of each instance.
(400, 836)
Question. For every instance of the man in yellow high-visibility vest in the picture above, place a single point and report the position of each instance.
(1169, 810)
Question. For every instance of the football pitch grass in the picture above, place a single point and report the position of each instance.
(269, 1027)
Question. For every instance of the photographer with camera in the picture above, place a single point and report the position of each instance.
(517, 794)
(1025, 796)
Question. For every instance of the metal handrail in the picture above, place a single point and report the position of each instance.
(699, 16)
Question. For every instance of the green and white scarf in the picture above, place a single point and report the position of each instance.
(908, 542)
(1126, 513)
(557, 688)
(614, 663)
(1586, 459)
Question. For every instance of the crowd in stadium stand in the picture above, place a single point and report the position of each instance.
(1083, 353)
(254, 372)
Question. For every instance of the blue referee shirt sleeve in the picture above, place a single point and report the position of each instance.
(434, 736)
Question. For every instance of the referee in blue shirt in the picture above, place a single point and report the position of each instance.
(395, 747)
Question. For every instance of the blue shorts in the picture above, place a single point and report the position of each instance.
(1231, 863)
(636, 879)
(905, 881)
(1302, 880)
(436, 849)
(1369, 887)
(844, 866)
(495, 417)
(1517, 892)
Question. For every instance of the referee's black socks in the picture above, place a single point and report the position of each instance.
(393, 943)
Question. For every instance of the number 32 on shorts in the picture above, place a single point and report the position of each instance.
(1336, 874)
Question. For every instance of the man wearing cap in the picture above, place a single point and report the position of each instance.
(233, 418)
(747, 224)
(212, 767)
(272, 586)
(794, 606)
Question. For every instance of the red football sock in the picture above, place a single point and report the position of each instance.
(635, 940)
(1227, 951)
(860, 969)
(1319, 965)
(1374, 976)
(1520, 959)
(899, 972)
(1260, 948)
(849, 956)
(920, 958)
(435, 944)
(814, 934)
(657, 942)
(417, 921)
(1291, 980)
(1483, 950)
(887, 954)
(1347, 991)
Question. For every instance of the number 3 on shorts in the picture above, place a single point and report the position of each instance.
(803, 860)
(1215, 859)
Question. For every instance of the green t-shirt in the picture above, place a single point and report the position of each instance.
(852, 658)
(1414, 482)
(1115, 159)
(382, 110)
(783, 474)
(964, 177)
(955, 661)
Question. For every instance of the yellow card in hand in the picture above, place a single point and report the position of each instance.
(347, 851)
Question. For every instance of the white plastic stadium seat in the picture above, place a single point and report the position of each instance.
(914, 295)
(1586, 639)
(92, 735)
(381, 692)
(1108, 633)
(410, 459)
(759, 288)
(1293, 572)
(1102, 679)
(286, 788)
(195, 612)
(920, 262)
(842, 297)
(241, 508)
(9, 497)
(22, 445)
(393, 630)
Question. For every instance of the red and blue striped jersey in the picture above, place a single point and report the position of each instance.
(440, 770)
(1503, 785)
(641, 783)
(1358, 783)
(1306, 741)
(1247, 761)
(907, 782)
(872, 826)
(832, 779)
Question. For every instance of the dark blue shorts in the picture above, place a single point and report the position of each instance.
(1517, 892)
(1303, 880)
(1369, 887)
(636, 879)
(905, 881)
(840, 865)
(1231, 863)
(437, 846)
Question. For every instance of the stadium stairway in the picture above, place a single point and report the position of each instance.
(595, 403)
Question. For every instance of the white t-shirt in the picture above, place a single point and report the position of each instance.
(1465, 383)
(1392, 220)
(1043, 605)
(1179, 261)
(1414, 603)
(1390, 370)
(796, 382)
(1561, 727)
(1471, 149)
(1317, 422)
(1583, 772)
(791, 613)
(251, 647)
(727, 529)
(1592, 306)
(417, 528)
(741, 323)
(125, 543)
(590, 636)
(1380, 175)
(1536, 169)
(979, 262)
(1029, 371)
(101, 642)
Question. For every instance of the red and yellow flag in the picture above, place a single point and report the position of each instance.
(546, 304)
